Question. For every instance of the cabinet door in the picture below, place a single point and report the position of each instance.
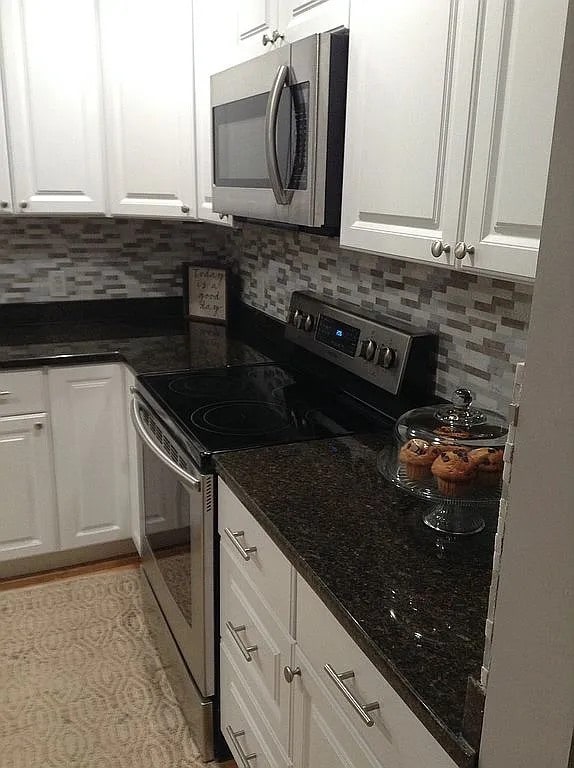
(410, 73)
(253, 20)
(321, 737)
(147, 51)
(53, 104)
(28, 521)
(5, 185)
(90, 446)
(300, 18)
(519, 72)
(214, 49)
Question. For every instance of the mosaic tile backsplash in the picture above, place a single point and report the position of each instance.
(100, 258)
(482, 322)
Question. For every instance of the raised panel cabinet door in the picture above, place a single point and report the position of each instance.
(90, 447)
(408, 102)
(321, 737)
(53, 105)
(147, 53)
(255, 21)
(519, 71)
(5, 184)
(28, 519)
(214, 51)
(301, 18)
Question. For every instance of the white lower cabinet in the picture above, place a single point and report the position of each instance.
(285, 696)
(90, 451)
(28, 516)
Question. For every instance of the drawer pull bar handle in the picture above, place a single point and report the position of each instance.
(246, 650)
(234, 739)
(245, 552)
(362, 709)
(5, 394)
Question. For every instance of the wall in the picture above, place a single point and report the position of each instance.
(101, 258)
(482, 322)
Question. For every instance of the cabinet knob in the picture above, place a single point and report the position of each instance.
(275, 35)
(38, 426)
(23, 204)
(438, 248)
(185, 208)
(3, 204)
(462, 249)
(290, 674)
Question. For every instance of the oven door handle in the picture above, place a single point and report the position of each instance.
(139, 427)
(282, 196)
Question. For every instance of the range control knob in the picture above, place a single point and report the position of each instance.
(298, 318)
(309, 323)
(368, 350)
(387, 357)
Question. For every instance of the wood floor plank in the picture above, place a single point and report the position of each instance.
(124, 561)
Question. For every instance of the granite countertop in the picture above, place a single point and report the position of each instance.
(413, 600)
(148, 343)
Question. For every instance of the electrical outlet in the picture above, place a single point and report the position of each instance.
(57, 283)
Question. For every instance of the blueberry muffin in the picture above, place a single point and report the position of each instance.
(489, 464)
(454, 472)
(417, 456)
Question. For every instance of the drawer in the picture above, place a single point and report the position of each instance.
(260, 646)
(396, 736)
(241, 724)
(257, 557)
(21, 392)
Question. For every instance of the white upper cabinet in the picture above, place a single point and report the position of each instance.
(255, 21)
(410, 75)
(519, 71)
(301, 18)
(5, 186)
(214, 50)
(450, 115)
(53, 104)
(147, 51)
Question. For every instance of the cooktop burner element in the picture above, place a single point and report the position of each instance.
(240, 417)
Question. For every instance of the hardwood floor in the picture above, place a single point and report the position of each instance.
(121, 562)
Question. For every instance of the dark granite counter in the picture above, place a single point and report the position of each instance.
(149, 336)
(413, 600)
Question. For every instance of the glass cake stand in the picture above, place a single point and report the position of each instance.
(457, 515)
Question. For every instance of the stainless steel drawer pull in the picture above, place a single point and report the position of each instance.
(246, 650)
(234, 739)
(5, 394)
(362, 709)
(245, 552)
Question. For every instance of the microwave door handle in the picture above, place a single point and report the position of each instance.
(139, 427)
(282, 196)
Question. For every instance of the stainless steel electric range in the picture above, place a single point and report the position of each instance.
(349, 373)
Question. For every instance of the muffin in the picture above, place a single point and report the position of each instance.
(451, 432)
(489, 464)
(454, 472)
(417, 456)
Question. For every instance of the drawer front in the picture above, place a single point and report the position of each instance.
(396, 736)
(258, 558)
(249, 740)
(260, 646)
(21, 392)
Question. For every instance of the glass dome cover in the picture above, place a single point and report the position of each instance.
(454, 424)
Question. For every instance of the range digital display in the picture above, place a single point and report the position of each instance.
(337, 335)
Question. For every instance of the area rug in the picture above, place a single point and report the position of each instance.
(81, 682)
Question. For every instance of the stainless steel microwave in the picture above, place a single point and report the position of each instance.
(278, 124)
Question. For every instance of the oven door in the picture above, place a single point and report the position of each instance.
(264, 129)
(178, 543)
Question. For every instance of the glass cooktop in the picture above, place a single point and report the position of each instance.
(255, 405)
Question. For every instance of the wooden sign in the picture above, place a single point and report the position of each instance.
(205, 292)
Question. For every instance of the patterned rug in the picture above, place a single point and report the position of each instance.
(81, 683)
